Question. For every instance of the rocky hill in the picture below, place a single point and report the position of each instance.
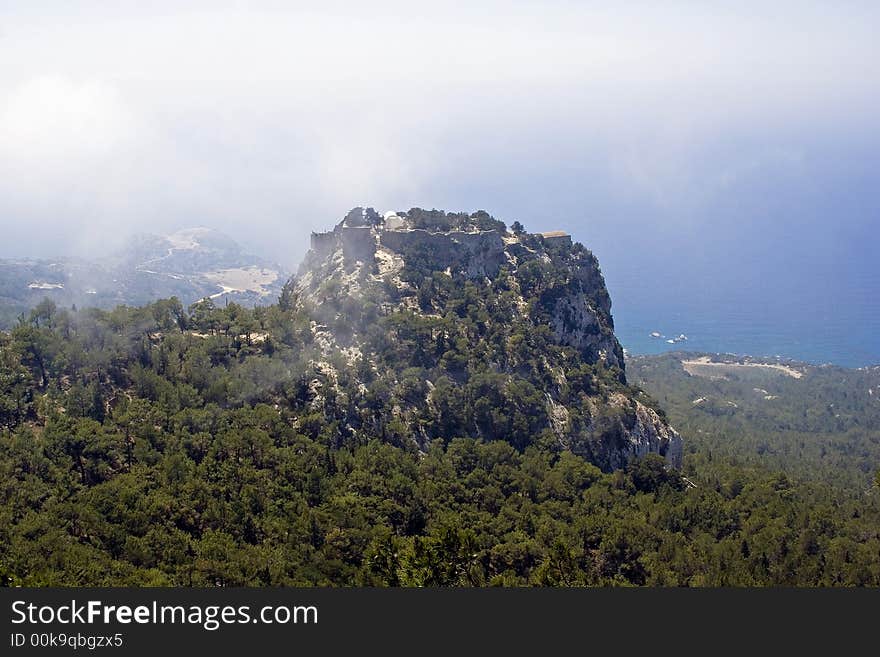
(190, 264)
(491, 332)
(426, 405)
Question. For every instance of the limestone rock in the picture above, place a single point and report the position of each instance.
(389, 261)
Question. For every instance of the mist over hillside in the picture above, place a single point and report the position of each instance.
(708, 178)
(190, 264)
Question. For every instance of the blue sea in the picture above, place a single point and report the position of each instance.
(827, 316)
(783, 263)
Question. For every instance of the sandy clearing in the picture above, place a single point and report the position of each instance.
(705, 367)
(242, 279)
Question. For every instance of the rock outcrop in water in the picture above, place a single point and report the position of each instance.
(429, 299)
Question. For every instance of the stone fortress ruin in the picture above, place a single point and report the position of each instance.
(479, 251)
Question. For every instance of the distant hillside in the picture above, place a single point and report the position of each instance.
(190, 264)
(819, 423)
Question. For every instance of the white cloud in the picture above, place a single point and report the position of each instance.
(283, 116)
(50, 116)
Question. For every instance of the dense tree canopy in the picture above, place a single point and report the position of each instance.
(212, 446)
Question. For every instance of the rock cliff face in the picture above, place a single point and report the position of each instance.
(426, 264)
(475, 255)
(641, 432)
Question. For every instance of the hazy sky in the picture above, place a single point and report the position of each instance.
(674, 133)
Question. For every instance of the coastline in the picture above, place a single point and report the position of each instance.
(705, 366)
(820, 353)
(719, 364)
